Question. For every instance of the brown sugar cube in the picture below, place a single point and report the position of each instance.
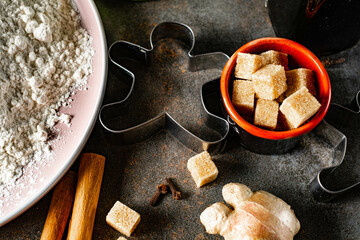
(299, 107)
(281, 98)
(298, 78)
(275, 57)
(243, 96)
(282, 124)
(266, 113)
(202, 169)
(247, 64)
(123, 218)
(270, 81)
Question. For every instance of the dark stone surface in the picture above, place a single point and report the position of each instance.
(132, 172)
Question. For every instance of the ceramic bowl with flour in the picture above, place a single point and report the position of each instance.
(53, 73)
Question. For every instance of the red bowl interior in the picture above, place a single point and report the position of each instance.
(299, 56)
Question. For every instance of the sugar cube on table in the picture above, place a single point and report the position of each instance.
(243, 96)
(298, 78)
(266, 113)
(121, 238)
(123, 218)
(299, 107)
(275, 57)
(247, 64)
(270, 81)
(203, 170)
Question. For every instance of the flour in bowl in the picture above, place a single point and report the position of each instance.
(45, 55)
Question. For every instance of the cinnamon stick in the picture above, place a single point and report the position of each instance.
(60, 207)
(86, 197)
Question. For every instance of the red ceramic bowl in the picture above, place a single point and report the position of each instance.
(299, 56)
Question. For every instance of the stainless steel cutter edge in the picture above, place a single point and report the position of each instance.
(144, 130)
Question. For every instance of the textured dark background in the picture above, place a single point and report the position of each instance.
(132, 172)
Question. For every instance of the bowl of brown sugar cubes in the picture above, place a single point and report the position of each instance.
(274, 91)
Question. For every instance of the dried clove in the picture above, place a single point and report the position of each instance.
(155, 198)
(175, 193)
(160, 190)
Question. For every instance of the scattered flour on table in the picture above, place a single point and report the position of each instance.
(45, 55)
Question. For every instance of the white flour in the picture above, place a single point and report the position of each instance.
(44, 56)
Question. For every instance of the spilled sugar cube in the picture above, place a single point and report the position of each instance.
(203, 170)
(123, 218)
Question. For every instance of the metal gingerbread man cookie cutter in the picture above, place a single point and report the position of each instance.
(142, 131)
(344, 176)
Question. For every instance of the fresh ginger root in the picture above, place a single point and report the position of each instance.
(254, 216)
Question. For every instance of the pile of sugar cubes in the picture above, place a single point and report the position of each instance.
(264, 84)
